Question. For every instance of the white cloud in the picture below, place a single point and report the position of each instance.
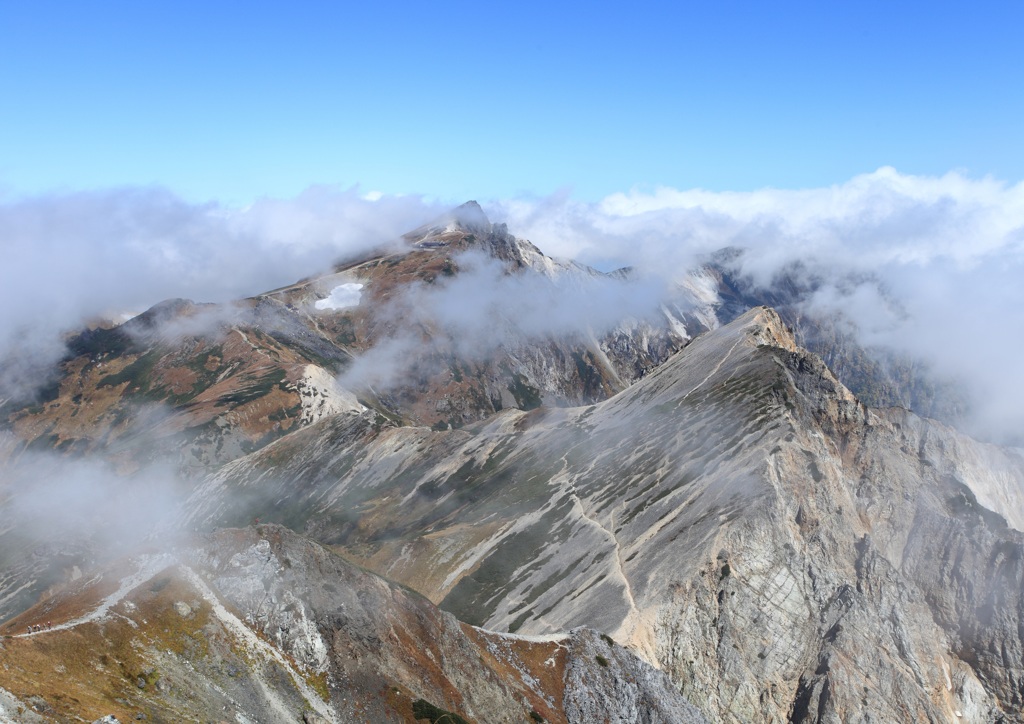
(72, 257)
(928, 265)
(484, 308)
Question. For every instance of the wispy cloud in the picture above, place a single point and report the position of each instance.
(484, 307)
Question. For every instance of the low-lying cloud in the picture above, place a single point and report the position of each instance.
(484, 307)
(50, 499)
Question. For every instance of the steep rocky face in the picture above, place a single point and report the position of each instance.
(738, 516)
(259, 624)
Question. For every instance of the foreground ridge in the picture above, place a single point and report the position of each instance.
(260, 622)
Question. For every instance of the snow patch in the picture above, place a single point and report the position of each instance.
(342, 296)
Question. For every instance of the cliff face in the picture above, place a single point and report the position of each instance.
(737, 516)
(260, 624)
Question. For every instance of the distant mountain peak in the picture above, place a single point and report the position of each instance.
(471, 217)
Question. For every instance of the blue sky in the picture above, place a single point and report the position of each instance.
(232, 101)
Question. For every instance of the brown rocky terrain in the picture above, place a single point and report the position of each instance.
(202, 384)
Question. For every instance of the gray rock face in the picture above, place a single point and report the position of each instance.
(738, 517)
(618, 689)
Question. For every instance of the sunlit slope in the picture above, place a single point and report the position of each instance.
(737, 516)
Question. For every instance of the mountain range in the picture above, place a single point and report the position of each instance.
(456, 477)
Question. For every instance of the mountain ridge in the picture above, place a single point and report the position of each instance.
(741, 441)
(710, 495)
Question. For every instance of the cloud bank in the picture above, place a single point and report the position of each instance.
(928, 267)
(484, 307)
(925, 266)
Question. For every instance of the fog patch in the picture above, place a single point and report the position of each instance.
(50, 499)
(75, 257)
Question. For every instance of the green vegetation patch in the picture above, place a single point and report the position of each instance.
(138, 374)
(95, 342)
(475, 598)
(527, 396)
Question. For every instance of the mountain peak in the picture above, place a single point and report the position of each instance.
(467, 219)
(471, 217)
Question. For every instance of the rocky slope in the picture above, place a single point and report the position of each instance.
(189, 387)
(737, 516)
(261, 625)
(879, 376)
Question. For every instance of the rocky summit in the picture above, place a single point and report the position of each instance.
(676, 517)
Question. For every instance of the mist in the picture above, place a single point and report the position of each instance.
(484, 307)
(50, 499)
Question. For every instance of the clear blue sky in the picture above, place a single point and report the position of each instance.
(229, 101)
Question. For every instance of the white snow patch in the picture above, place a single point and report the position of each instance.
(342, 296)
